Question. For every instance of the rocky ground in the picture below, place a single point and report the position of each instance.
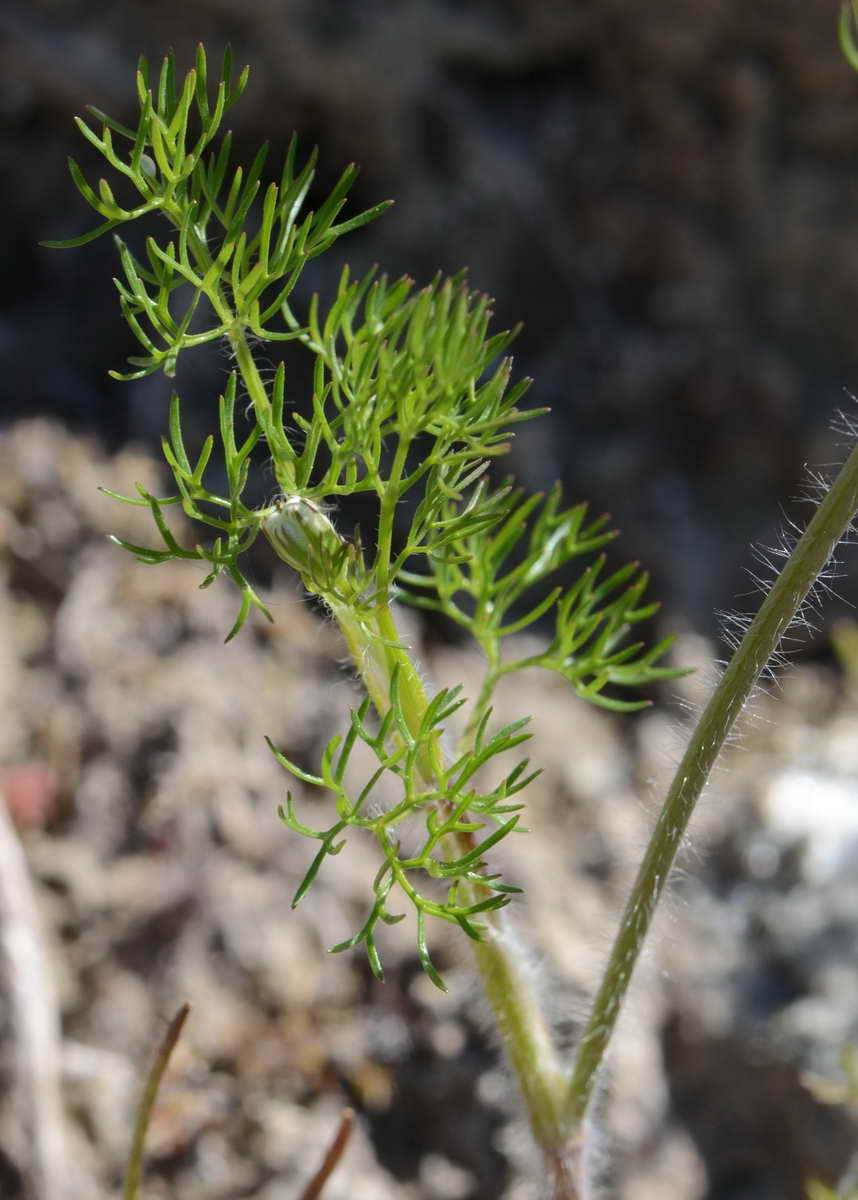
(134, 771)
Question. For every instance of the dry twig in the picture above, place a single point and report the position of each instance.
(313, 1190)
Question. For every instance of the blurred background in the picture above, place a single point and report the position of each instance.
(665, 195)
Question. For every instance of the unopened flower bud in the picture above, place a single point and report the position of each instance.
(304, 537)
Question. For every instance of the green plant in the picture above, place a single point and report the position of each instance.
(145, 1108)
(843, 1093)
(412, 400)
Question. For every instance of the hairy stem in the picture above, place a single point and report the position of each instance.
(526, 1038)
(252, 380)
(831, 520)
(503, 969)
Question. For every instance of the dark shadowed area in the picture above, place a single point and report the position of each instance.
(665, 197)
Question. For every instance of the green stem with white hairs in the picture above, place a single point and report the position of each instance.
(762, 638)
(379, 655)
(503, 968)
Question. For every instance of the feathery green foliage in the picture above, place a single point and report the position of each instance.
(449, 806)
(412, 398)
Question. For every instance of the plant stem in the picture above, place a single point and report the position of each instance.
(484, 698)
(815, 547)
(235, 323)
(503, 968)
(335, 1152)
(252, 379)
(526, 1038)
(376, 649)
(131, 1190)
